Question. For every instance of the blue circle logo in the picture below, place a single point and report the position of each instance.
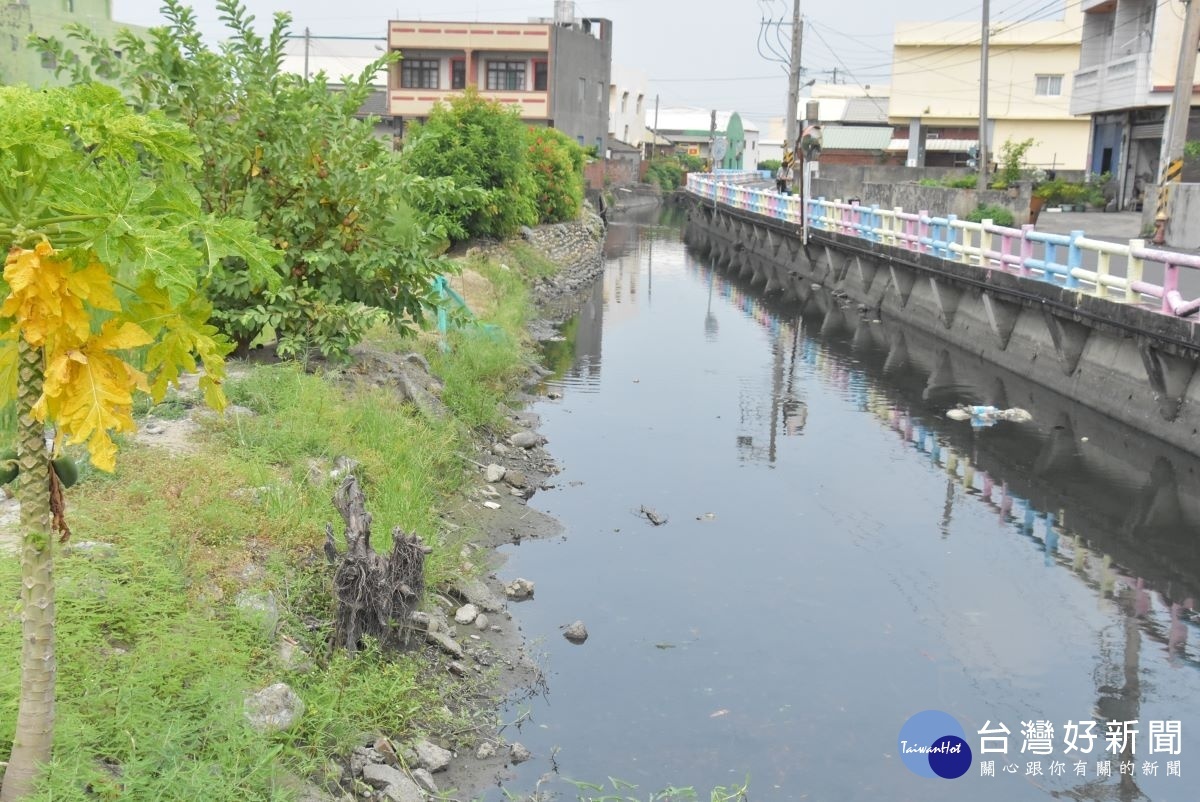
(933, 744)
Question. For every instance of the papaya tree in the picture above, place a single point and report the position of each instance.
(108, 257)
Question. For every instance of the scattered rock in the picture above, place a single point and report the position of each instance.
(481, 622)
(431, 756)
(446, 643)
(274, 708)
(393, 784)
(517, 753)
(92, 549)
(260, 608)
(554, 396)
(477, 593)
(419, 361)
(456, 668)
(342, 466)
(424, 779)
(519, 589)
(466, 614)
(364, 756)
(485, 751)
(525, 440)
(292, 656)
(379, 775)
(499, 449)
(491, 505)
(384, 747)
(422, 621)
(153, 428)
(489, 492)
(514, 478)
(494, 473)
(576, 633)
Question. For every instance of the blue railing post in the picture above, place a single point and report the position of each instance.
(948, 240)
(1049, 261)
(1074, 259)
(875, 219)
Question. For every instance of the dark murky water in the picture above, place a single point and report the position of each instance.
(840, 556)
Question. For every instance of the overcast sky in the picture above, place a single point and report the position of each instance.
(694, 52)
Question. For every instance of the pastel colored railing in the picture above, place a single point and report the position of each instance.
(1024, 251)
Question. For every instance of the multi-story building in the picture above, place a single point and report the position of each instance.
(21, 19)
(339, 58)
(627, 106)
(556, 71)
(1124, 82)
(935, 89)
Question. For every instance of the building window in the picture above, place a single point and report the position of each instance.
(624, 101)
(582, 94)
(503, 75)
(1049, 85)
(641, 98)
(49, 60)
(458, 73)
(71, 6)
(419, 73)
(541, 75)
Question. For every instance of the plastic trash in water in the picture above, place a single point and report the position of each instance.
(982, 416)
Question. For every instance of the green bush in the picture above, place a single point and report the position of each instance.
(997, 214)
(289, 155)
(666, 172)
(1012, 160)
(769, 164)
(960, 182)
(556, 161)
(476, 143)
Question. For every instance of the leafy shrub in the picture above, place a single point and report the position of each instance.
(666, 172)
(960, 182)
(769, 164)
(556, 161)
(480, 144)
(288, 155)
(1012, 160)
(997, 214)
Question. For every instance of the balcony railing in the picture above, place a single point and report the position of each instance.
(1121, 83)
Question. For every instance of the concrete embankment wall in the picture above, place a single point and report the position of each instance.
(1129, 363)
(1183, 226)
(875, 186)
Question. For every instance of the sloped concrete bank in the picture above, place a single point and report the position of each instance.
(1129, 363)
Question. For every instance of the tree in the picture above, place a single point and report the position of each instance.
(287, 153)
(107, 252)
(480, 145)
(556, 163)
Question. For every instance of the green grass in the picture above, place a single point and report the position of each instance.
(154, 659)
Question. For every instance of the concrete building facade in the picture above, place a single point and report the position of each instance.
(935, 89)
(21, 19)
(627, 106)
(1123, 83)
(557, 72)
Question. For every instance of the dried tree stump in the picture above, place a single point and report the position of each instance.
(376, 593)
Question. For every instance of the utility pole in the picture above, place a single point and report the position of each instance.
(307, 42)
(793, 104)
(1170, 165)
(654, 142)
(712, 143)
(983, 98)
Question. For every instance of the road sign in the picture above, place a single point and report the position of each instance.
(720, 148)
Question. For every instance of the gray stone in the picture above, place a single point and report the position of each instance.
(431, 756)
(422, 621)
(405, 791)
(379, 775)
(494, 473)
(485, 751)
(292, 656)
(274, 708)
(517, 753)
(478, 594)
(519, 589)
(576, 633)
(514, 478)
(260, 608)
(446, 643)
(92, 549)
(417, 360)
(481, 622)
(364, 756)
(466, 614)
(499, 449)
(424, 779)
(342, 466)
(525, 439)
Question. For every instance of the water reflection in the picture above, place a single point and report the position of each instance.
(875, 556)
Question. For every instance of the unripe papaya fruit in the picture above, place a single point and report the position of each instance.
(8, 466)
(66, 470)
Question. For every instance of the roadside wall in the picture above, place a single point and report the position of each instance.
(912, 197)
(1183, 226)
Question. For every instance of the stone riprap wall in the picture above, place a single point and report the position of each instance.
(577, 247)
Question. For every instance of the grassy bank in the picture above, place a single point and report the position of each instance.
(155, 657)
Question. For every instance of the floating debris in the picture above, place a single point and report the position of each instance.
(652, 516)
(982, 416)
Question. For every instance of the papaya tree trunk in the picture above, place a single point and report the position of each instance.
(35, 716)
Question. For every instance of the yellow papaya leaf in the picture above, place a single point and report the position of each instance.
(94, 285)
(47, 297)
